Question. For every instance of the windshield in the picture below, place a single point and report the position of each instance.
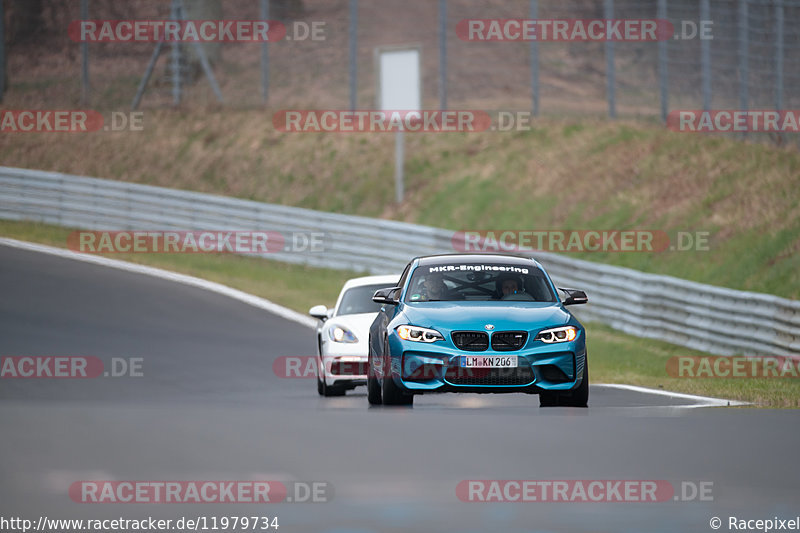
(479, 282)
(359, 300)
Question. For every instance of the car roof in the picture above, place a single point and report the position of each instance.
(486, 259)
(389, 280)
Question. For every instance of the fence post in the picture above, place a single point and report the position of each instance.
(85, 57)
(353, 64)
(705, 58)
(443, 54)
(610, 74)
(399, 159)
(779, 54)
(534, 50)
(265, 56)
(743, 60)
(663, 67)
(175, 59)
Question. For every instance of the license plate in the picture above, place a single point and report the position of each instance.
(488, 361)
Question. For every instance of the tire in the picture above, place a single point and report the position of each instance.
(575, 398)
(374, 396)
(327, 390)
(579, 397)
(548, 399)
(392, 395)
(320, 388)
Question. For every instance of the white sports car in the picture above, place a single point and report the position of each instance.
(343, 334)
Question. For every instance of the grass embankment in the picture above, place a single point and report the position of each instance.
(563, 174)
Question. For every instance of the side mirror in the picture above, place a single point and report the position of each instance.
(574, 297)
(319, 311)
(385, 296)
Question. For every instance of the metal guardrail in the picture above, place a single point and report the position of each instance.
(712, 319)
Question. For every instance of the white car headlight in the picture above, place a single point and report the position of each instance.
(418, 334)
(562, 334)
(341, 334)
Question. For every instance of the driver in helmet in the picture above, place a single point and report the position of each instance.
(434, 287)
(508, 285)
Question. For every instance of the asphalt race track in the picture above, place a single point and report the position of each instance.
(209, 407)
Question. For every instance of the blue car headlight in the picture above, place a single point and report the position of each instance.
(418, 334)
(341, 334)
(561, 334)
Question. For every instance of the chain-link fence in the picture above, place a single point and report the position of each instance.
(750, 58)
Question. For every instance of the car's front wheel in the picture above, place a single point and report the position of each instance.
(580, 396)
(374, 396)
(322, 385)
(575, 398)
(392, 395)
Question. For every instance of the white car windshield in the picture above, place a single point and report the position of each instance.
(359, 300)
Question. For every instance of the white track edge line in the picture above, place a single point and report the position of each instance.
(255, 301)
(706, 400)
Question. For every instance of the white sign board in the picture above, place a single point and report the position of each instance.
(399, 79)
(399, 89)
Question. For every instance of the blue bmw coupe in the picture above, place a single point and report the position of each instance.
(477, 323)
